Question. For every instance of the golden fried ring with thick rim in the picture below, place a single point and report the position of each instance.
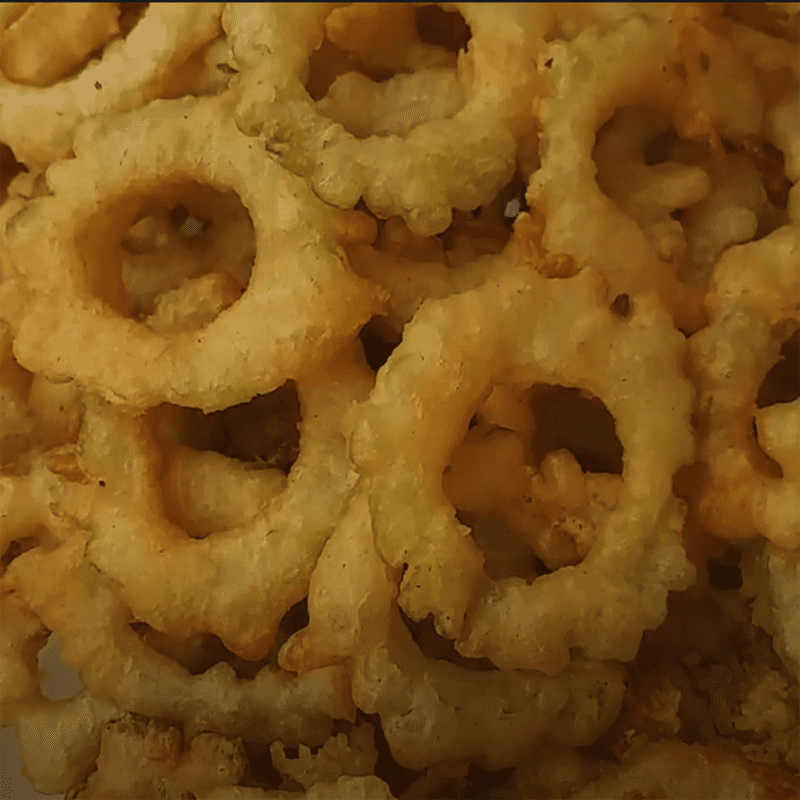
(238, 583)
(753, 305)
(82, 606)
(592, 77)
(519, 330)
(433, 711)
(38, 123)
(460, 162)
(301, 305)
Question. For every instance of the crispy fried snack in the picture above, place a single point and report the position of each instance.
(147, 759)
(414, 268)
(64, 247)
(351, 444)
(43, 99)
(771, 577)
(353, 755)
(37, 413)
(622, 225)
(433, 711)
(407, 153)
(237, 582)
(60, 760)
(753, 307)
(677, 770)
(515, 330)
(83, 608)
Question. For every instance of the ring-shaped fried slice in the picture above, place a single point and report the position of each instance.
(301, 305)
(81, 605)
(441, 164)
(519, 330)
(753, 306)
(431, 710)
(591, 78)
(235, 583)
(39, 122)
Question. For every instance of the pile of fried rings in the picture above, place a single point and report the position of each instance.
(401, 400)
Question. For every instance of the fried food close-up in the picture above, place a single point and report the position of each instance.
(400, 400)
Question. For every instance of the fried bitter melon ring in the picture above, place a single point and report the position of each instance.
(441, 164)
(301, 305)
(522, 329)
